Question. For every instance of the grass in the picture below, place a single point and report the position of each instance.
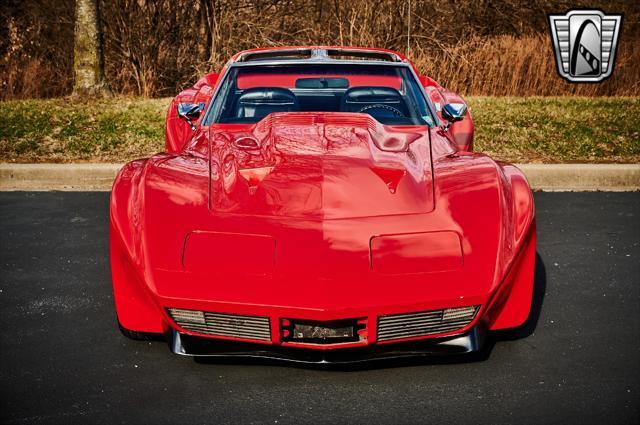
(59, 130)
(535, 129)
(562, 129)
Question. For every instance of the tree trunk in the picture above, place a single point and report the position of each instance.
(87, 59)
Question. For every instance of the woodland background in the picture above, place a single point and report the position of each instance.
(157, 48)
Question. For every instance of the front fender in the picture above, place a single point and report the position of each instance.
(136, 309)
(510, 308)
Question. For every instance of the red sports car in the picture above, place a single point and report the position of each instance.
(320, 204)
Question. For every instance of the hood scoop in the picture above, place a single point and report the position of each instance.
(391, 177)
(254, 176)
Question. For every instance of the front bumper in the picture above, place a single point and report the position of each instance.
(188, 345)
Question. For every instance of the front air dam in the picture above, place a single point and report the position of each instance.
(187, 345)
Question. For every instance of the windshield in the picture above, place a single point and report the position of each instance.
(389, 94)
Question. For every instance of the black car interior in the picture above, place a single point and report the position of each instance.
(385, 104)
(389, 94)
(256, 103)
(380, 102)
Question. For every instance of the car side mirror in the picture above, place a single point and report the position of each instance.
(454, 112)
(190, 112)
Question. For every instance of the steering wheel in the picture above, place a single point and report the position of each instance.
(395, 111)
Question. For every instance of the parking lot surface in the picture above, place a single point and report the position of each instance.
(63, 359)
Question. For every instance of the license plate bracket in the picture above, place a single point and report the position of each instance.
(331, 332)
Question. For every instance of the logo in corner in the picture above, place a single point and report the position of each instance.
(585, 44)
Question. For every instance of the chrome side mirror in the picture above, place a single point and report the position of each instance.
(453, 112)
(190, 112)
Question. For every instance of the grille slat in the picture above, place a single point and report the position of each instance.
(408, 318)
(221, 324)
(224, 332)
(408, 333)
(228, 333)
(218, 316)
(458, 316)
(424, 323)
(415, 333)
(421, 326)
(438, 327)
(224, 328)
(236, 326)
(416, 321)
(421, 330)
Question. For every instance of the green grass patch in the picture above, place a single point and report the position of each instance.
(563, 129)
(61, 130)
(538, 129)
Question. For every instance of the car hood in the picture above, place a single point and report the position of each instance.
(334, 165)
(315, 211)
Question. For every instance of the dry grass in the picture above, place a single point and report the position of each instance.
(157, 48)
(536, 129)
(521, 66)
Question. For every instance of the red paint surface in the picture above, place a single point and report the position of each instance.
(247, 81)
(408, 253)
(217, 253)
(320, 220)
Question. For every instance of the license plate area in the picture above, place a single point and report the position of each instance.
(314, 332)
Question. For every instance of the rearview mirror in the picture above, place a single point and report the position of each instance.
(190, 112)
(454, 112)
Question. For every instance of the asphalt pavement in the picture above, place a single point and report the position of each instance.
(63, 359)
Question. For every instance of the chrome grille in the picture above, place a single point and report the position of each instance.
(424, 323)
(233, 325)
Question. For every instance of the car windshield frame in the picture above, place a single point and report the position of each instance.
(405, 71)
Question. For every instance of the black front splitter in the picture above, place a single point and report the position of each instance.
(187, 345)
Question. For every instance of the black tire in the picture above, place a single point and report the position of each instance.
(140, 336)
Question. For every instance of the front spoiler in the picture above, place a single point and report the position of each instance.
(186, 345)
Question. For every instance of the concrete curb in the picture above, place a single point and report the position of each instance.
(99, 177)
(582, 177)
(67, 177)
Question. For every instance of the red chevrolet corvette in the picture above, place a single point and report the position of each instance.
(320, 204)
